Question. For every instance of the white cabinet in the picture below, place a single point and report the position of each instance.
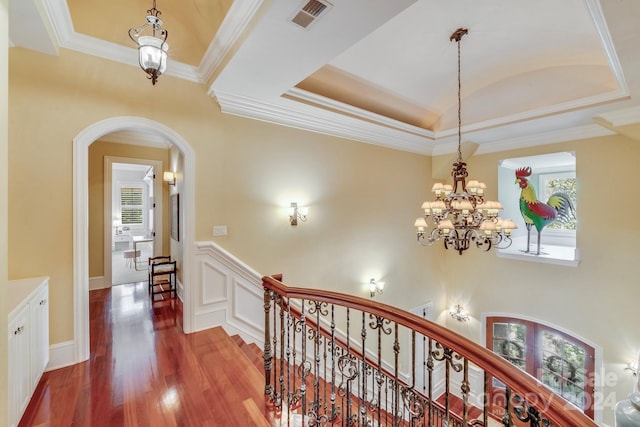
(28, 341)
(19, 369)
(39, 322)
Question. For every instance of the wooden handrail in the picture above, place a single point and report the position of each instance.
(558, 410)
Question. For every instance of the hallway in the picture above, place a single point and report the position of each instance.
(143, 371)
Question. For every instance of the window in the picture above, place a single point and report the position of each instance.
(565, 183)
(536, 178)
(131, 206)
(560, 361)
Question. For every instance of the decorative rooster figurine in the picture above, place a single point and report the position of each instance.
(537, 213)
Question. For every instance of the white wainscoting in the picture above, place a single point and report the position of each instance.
(228, 293)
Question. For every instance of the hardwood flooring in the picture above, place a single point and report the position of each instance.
(143, 371)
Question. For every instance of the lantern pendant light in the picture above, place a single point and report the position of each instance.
(151, 39)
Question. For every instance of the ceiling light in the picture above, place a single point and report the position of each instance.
(151, 39)
(459, 215)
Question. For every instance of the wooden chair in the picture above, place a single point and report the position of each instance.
(162, 277)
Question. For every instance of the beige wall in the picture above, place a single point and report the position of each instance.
(4, 175)
(363, 200)
(176, 165)
(596, 300)
(97, 152)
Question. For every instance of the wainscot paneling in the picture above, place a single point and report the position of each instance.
(228, 294)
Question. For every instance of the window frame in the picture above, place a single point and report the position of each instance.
(143, 207)
(558, 246)
(534, 356)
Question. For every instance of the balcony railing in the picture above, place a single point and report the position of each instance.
(335, 359)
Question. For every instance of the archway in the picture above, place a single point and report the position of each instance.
(81, 145)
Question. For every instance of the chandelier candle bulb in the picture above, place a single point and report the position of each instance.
(460, 216)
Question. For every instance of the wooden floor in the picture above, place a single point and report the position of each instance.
(143, 371)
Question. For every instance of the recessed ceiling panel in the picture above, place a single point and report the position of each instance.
(518, 57)
(191, 24)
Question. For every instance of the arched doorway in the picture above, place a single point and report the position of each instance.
(81, 145)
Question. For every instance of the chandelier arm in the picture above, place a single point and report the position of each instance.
(483, 241)
(433, 237)
(502, 241)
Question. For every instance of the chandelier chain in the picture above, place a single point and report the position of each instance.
(459, 105)
(457, 36)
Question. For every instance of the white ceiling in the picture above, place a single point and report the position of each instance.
(384, 72)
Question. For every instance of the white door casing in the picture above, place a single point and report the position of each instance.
(81, 144)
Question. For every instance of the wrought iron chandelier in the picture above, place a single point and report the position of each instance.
(459, 214)
(151, 39)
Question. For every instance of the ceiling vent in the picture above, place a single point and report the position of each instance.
(310, 12)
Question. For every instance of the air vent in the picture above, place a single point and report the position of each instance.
(309, 12)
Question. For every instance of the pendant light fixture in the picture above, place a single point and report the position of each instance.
(151, 39)
(459, 215)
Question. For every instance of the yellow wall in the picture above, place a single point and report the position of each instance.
(176, 249)
(4, 43)
(97, 152)
(596, 300)
(363, 200)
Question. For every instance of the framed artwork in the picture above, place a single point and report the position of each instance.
(174, 214)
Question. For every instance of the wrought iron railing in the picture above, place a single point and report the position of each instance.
(335, 359)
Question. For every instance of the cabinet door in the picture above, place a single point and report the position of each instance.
(19, 369)
(39, 322)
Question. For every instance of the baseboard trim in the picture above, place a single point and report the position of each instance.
(97, 282)
(61, 355)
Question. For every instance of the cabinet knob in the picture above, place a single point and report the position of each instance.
(19, 330)
(43, 302)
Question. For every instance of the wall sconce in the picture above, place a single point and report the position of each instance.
(169, 178)
(633, 367)
(459, 313)
(375, 287)
(297, 213)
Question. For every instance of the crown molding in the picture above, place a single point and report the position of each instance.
(623, 117)
(294, 114)
(235, 22)
(382, 131)
(333, 105)
(546, 138)
(597, 15)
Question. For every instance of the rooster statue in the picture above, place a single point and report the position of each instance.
(539, 214)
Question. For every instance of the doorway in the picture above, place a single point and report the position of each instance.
(78, 349)
(130, 186)
(135, 216)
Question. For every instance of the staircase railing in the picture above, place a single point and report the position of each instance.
(336, 359)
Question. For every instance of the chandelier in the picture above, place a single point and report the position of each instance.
(459, 215)
(151, 39)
